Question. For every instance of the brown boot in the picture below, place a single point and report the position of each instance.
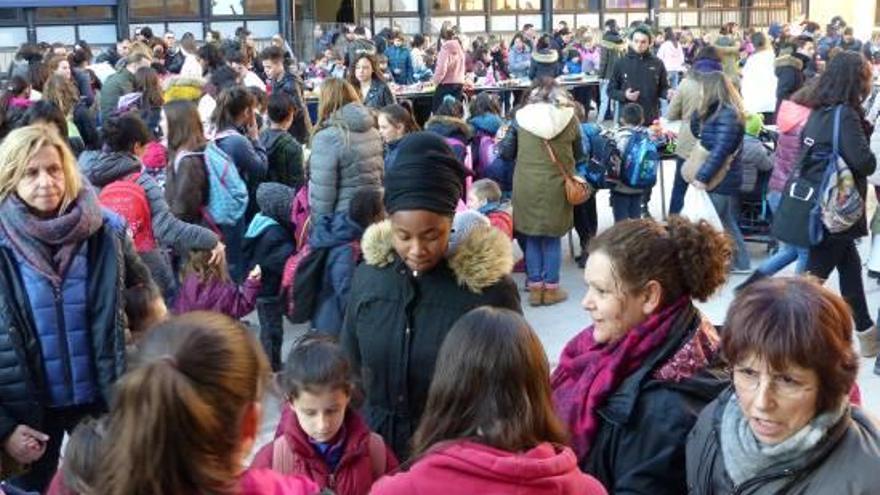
(553, 294)
(536, 294)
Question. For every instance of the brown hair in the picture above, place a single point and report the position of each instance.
(316, 363)
(374, 65)
(185, 132)
(83, 454)
(335, 94)
(794, 320)
(685, 258)
(491, 384)
(199, 264)
(718, 91)
(398, 114)
(146, 80)
(55, 61)
(175, 418)
(62, 92)
(231, 105)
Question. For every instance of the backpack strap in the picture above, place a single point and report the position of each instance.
(282, 455)
(378, 455)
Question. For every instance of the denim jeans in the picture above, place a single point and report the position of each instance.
(728, 210)
(543, 259)
(626, 206)
(786, 252)
(679, 188)
(605, 101)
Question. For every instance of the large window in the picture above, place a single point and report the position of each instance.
(242, 7)
(570, 5)
(164, 8)
(721, 4)
(71, 15)
(626, 4)
(516, 5)
(457, 5)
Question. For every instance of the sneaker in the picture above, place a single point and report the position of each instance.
(554, 296)
(536, 296)
(868, 345)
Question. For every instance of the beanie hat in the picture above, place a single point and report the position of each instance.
(155, 156)
(754, 124)
(425, 175)
(704, 65)
(275, 201)
(462, 225)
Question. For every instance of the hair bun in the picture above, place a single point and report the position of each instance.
(704, 255)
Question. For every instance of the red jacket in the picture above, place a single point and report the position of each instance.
(502, 221)
(479, 469)
(353, 476)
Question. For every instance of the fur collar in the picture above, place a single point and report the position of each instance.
(480, 261)
(544, 120)
(789, 61)
(546, 57)
(619, 46)
(448, 126)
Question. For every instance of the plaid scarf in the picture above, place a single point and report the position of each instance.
(590, 372)
(49, 244)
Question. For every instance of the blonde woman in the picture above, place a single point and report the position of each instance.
(346, 150)
(63, 266)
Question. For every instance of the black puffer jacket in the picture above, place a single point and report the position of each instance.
(611, 49)
(845, 462)
(545, 63)
(644, 73)
(853, 147)
(113, 266)
(396, 322)
(789, 76)
(722, 134)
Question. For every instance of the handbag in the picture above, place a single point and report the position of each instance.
(697, 158)
(799, 219)
(577, 189)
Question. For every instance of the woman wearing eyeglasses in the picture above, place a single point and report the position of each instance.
(786, 425)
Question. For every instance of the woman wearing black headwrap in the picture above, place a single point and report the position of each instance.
(408, 292)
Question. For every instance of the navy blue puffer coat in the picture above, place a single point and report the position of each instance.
(722, 134)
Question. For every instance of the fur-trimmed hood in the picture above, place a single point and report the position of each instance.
(447, 126)
(613, 43)
(480, 261)
(545, 56)
(544, 120)
(788, 61)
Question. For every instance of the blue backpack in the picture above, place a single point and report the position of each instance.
(640, 161)
(603, 167)
(227, 192)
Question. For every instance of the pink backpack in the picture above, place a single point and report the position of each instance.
(487, 152)
(463, 152)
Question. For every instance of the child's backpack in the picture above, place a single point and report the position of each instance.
(603, 168)
(299, 215)
(486, 153)
(284, 458)
(227, 192)
(463, 153)
(127, 198)
(640, 161)
(302, 279)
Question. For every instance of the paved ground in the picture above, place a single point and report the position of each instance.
(557, 324)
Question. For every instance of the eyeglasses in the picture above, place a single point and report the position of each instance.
(747, 379)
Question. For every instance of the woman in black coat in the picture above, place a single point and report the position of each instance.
(846, 82)
(545, 60)
(365, 76)
(411, 288)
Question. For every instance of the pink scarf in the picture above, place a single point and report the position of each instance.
(589, 372)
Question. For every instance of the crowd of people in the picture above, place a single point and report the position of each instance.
(153, 196)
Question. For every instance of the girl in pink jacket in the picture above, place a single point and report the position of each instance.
(449, 71)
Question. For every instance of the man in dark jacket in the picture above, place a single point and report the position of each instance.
(280, 79)
(114, 53)
(790, 67)
(849, 42)
(284, 153)
(121, 82)
(640, 77)
(174, 57)
(611, 49)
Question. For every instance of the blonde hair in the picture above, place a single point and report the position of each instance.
(335, 94)
(199, 264)
(19, 148)
(717, 89)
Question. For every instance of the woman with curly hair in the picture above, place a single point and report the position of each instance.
(630, 386)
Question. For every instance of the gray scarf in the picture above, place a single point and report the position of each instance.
(745, 457)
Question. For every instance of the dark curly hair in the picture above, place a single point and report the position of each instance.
(684, 257)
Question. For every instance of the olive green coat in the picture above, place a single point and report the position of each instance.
(539, 204)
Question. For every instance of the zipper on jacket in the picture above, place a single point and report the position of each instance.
(62, 342)
(737, 490)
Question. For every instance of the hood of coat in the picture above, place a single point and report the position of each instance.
(333, 230)
(355, 117)
(479, 262)
(108, 167)
(791, 115)
(537, 471)
(546, 56)
(788, 61)
(613, 40)
(449, 127)
(488, 123)
(544, 120)
(270, 137)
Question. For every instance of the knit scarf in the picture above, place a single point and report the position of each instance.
(589, 372)
(746, 457)
(49, 244)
